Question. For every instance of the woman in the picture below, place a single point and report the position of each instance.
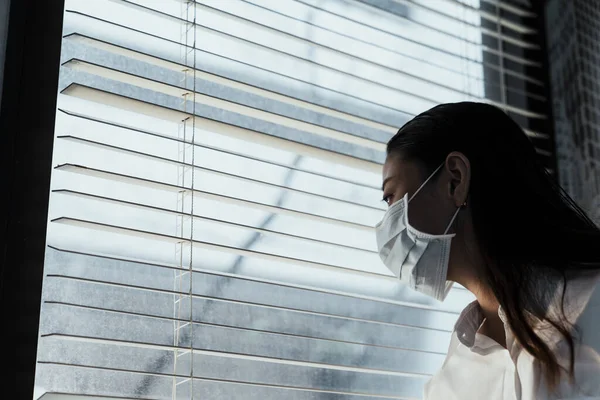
(470, 203)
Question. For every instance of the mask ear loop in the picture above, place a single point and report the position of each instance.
(425, 183)
(454, 217)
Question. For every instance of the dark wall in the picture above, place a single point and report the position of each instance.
(573, 36)
(27, 114)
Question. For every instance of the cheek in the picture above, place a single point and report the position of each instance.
(426, 216)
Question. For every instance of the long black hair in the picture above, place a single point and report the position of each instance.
(532, 234)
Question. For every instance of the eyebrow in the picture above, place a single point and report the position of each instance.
(386, 180)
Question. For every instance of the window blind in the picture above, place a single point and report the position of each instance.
(216, 184)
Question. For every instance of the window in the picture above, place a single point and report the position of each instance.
(216, 181)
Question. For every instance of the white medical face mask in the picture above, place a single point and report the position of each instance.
(418, 259)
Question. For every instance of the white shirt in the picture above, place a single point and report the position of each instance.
(477, 367)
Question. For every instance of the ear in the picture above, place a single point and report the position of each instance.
(458, 168)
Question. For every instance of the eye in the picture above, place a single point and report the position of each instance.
(387, 198)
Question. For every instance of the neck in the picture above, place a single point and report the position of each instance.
(469, 274)
(493, 327)
(487, 301)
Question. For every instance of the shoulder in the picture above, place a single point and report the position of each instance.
(586, 382)
(582, 305)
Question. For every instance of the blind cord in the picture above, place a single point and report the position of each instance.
(192, 202)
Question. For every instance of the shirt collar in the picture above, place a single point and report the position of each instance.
(577, 296)
(468, 324)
